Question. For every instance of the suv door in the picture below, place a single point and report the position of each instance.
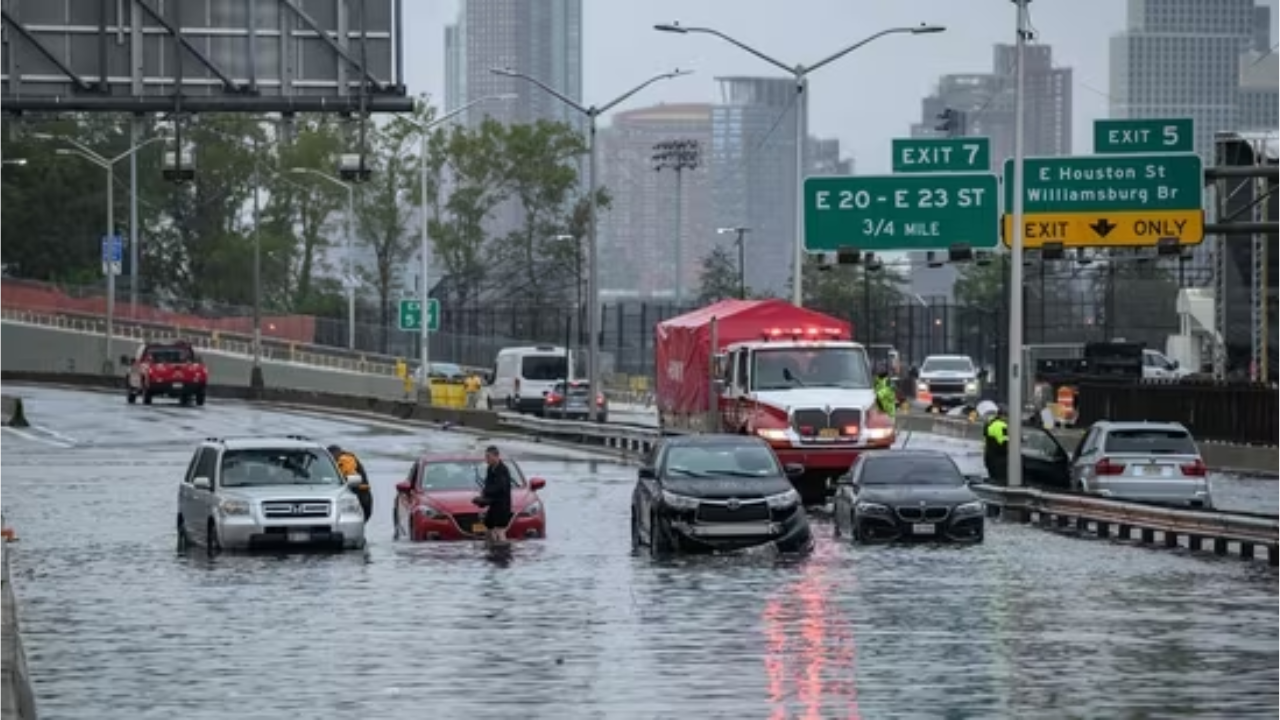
(1085, 457)
(186, 492)
(203, 502)
(1043, 458)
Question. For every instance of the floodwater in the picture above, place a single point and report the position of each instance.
(1031, 624)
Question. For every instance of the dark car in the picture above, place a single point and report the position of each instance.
(709, 493)
(573, 402)
(907, 495)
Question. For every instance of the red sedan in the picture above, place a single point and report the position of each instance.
(435, 502)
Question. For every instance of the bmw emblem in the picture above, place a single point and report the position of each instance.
(733, 503)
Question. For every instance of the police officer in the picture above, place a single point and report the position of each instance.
(886, 397)
(995, 441)
(348, 465)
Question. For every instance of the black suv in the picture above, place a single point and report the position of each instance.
(906, 495)
(717, 493)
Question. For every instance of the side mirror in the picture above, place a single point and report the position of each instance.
(845, 479)
(536, 484)
(794, 470)
(202, 483)
(126, 361)
(720, 364)
(973, 479)
(646, 473)
(1175, 365)
(403, 486)
(786, 375)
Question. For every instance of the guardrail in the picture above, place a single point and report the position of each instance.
(625, 438)
(1219, 532)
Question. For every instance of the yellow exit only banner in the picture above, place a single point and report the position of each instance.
(1107, 229)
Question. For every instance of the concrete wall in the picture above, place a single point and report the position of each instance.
(35, 348)
(17, 701)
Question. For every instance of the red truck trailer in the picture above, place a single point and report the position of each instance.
(791, 376)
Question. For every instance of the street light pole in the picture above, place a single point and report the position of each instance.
(424, 289)
(1014, 472)
(801, 74)
(593, 267)
(107, 164)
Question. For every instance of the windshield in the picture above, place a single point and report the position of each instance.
(911, 470)
(171, 355)
(266, 467)
(1154, 441)
(575, 388)
(446, 369)
(462, 475)
(810, 367)
(544, 367)
(746, 460)
(954, 365)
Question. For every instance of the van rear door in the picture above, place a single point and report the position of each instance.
(539, 373)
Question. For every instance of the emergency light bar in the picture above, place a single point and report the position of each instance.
(810, 333)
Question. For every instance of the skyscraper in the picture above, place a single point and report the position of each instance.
(542, 39)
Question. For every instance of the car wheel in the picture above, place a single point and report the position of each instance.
(859, 535)
(800, 544)
(131, 397)
(212, 545)
(183, 542)
(835, 522)
(395, 518)
(660, 540)
(200, 398)
(146, 397)
(635, 529)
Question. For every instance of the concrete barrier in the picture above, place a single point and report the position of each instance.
(17, 701)
(1248, 459)
(12, 412)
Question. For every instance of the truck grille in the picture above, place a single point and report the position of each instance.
(946, 386)
(719, 512)
(924, 514)
(296, 509)
(819, 420)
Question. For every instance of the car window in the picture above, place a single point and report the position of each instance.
(191, 466)
(910, 470)
(272, 466)
(172, 354)
(956, 365)
(1037, 442)
(745, 460)
(544, 367)
(207, 465)
(463, 475)
(1161, 441)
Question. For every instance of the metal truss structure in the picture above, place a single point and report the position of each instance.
(1243, 186)
(196, 56)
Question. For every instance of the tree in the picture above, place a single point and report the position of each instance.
(982, 285)
(719, 276)
(853, 292)
(382, 211)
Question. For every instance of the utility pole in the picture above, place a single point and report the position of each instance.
(742, 256)
(1015, 255)
(678, 155)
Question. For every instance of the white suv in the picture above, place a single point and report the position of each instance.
(252, 492)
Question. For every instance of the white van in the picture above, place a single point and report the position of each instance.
(522, 376)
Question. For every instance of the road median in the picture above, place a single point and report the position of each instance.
(17, 701)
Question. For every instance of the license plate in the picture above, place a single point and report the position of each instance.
(924, 529)
(1153, 470)
(299, 536)
(828, 433)
(477, 527)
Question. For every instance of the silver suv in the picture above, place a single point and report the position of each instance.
(253, 492)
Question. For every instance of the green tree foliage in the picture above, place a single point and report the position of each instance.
(719, 276)
(984, 286)
(851, 291)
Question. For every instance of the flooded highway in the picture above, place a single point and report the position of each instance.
(117, 624)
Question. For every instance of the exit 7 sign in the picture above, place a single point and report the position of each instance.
(411, 315)
(925, 155)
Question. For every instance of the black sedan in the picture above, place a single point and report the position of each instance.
(709, 493)
(907, 495)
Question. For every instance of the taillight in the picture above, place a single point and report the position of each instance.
(1195, 469)
(600, 399)
(553, 399)
(1106, 467)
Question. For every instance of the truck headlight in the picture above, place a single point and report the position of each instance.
(922, 387)
(679, 502)
(349, 505)
(971, 386)
(967, 509)
(772, 433)
(783, 500)
(234, 507)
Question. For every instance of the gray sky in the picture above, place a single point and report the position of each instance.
(865, 99)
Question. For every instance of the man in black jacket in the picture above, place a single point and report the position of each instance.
(496, 496)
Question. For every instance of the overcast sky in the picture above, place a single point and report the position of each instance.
(865, 99)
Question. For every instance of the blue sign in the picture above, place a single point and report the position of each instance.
(112, 249)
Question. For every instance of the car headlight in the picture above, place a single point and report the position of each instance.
(772, 433)
(679, 502)
(784, 500)
(922, 387)
(969, 508)
(971, 386)
(430, 513)
(234, 507)
(533, 509)
(870, 508)
(349, 505)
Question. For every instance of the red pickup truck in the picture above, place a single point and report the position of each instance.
(169, 369)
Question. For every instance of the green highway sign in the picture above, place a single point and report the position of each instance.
(1120, 137)
(890, 213)
(411, 315)
(1088, 183)
(923, 155)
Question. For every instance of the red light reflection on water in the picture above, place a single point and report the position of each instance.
(809, 653)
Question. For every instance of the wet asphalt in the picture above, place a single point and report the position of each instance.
(117, 624)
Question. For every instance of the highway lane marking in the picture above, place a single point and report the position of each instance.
(37, 438)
